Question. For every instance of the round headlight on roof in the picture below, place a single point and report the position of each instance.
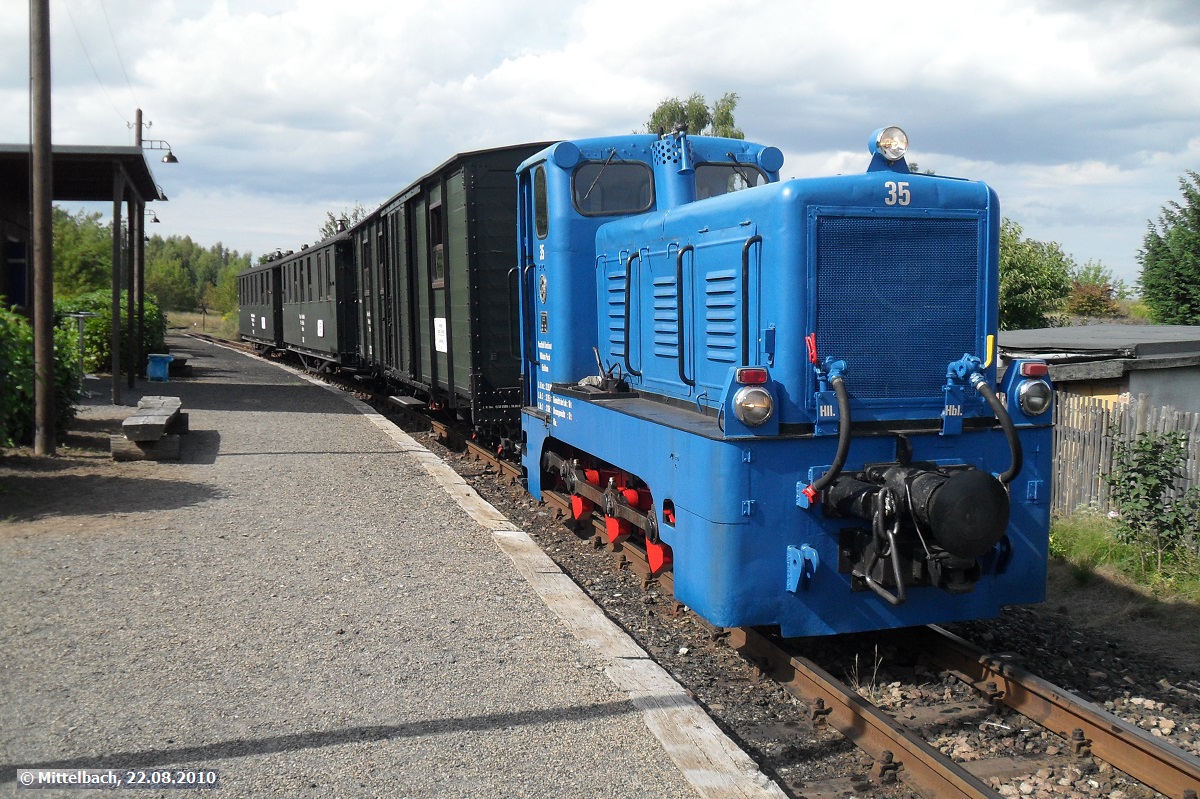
(891, 143)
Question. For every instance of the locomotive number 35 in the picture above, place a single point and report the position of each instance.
(898, 193)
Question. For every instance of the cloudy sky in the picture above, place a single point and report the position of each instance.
(1083, 114)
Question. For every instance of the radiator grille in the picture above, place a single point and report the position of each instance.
(897, 299)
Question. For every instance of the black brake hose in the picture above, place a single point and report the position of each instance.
(1010, 430)
(843, 445)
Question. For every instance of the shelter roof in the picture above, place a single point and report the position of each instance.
(82, 172)
(1092, 352)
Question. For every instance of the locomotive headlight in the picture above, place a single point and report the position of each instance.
(892, 143)
(753, 405)
(1034, 397)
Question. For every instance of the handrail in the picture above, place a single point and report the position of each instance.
(526, 307)
(679, 300)
(514, 341)
(628, 277)
(750, 242)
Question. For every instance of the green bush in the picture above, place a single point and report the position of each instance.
(17, 380)
(1144, 472)
(1089, 299)
(97, 331)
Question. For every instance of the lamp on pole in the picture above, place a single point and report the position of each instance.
(159, 144)
(151, 144)
(138, 245)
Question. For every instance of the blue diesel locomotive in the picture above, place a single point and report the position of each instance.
(786, 390)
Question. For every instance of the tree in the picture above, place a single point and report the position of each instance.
(1094, 291)
(82, 253)
(1170, 259)
(168, 281)
(223, 297)
(1035, 279)
(349, 216)
(183, 275)
(722, 117)
(695, 114)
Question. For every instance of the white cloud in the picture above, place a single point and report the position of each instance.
(1080, 112)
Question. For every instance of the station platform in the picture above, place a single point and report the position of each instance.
(310, 603)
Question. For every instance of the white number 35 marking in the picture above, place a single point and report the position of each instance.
(898, 193)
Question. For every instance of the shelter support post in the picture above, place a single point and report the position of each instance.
(131, 362)
(118, 193)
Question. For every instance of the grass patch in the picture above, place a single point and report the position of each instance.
(225, 327)
(1086, 542)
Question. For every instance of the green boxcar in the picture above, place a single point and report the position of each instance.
(260, 306)
(439, 306)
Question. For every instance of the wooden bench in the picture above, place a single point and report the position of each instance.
(179, 367)
(151, 432)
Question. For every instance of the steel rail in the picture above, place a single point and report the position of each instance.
(893, 747)
(1131, 749)
(511, 471)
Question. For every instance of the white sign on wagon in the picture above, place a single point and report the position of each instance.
(440, 342)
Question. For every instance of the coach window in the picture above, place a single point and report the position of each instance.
(320, 277)
(437, 247)
(602, 188)
(713, 180)
(541, 207)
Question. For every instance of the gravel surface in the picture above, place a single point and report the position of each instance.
(295, 604)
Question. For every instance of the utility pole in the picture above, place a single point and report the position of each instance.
(42, 191)
(137, 265)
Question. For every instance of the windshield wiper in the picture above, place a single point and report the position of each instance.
(738, 168)
(598, 174)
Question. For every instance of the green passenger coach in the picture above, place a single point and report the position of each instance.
(434, 265)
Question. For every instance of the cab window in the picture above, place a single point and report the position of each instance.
(713, 180)
(601, 188)
(541, 212)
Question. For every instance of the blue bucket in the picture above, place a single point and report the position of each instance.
(157, 368)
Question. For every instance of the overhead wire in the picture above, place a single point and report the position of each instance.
(120, 60)
(88, 56)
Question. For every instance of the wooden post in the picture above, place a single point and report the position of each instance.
(43, 227)
(131, 292)
(1143, 414)
(115, 339)
(140, 258)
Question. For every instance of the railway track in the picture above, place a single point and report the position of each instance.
(899, 752)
